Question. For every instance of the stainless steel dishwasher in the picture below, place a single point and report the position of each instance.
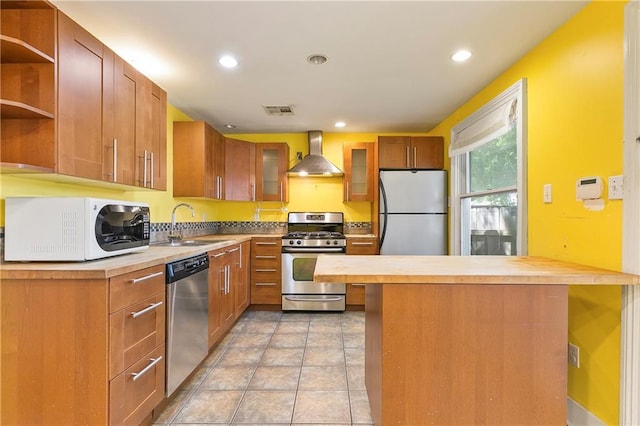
(187, 317)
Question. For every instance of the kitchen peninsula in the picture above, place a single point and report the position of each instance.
(466, 339)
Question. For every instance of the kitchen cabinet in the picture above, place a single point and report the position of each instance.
(198, 160)
(27, 88)
(272, 163)
(410, 152)
(240, 170)
(224, 277)
(358, 171)
(242, 280)
(74, 343)
(71, 106)
(266, 270)
(359, 246)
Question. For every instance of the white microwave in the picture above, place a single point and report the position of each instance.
(73, 229)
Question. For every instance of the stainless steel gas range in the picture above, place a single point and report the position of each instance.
(309, 235)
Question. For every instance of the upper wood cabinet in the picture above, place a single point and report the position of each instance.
(198, 160)
(92, 119)
(272, 163)
(240, 170)
(358, 171)
(410, 152)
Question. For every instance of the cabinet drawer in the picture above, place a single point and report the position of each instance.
(362, 246)
(131, 288)
(135, 331)
(137, 391)
(266, 246)
(355, 294)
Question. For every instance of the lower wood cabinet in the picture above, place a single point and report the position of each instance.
(359, 246)
(71, 345)
(266, 271)
(242, 280)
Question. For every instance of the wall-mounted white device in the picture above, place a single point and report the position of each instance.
(589, 188)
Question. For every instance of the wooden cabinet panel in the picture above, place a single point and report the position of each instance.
(359, 246)
(120, 139)
(272, 163)
(240, 170)
(358, 171)
(410, 152)
(197, 154)
(82, 70)
(127, 289)
(242, 286)
(151, 133)
(224, 275)
(138, 390)
(216, 284)
(135, 331)
(266, 267)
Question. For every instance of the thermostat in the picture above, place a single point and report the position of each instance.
(589, 188)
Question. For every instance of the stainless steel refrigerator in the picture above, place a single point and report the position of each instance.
(413, 212)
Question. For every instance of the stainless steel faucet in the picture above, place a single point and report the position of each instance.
(172, 234)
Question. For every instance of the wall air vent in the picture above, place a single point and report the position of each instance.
(278, 109)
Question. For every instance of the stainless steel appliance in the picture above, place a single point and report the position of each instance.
(309, 235)
(73, 228)
(413, 212)
(187, 317)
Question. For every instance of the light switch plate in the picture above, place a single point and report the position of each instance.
(616, 189)
(546, 193)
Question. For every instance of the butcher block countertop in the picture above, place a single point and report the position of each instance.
(112, 266)
(512, 270)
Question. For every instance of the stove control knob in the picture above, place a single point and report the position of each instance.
(290, 242)
(328, 242)
(298, 242)
(335, 243)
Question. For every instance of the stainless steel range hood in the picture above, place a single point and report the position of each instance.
(315, 164)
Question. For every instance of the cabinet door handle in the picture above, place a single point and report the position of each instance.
(146, 277)
(218, 254)
(266, 270)
(408, 162)
(139, 374)
(415, 157)
(362, 243)
(240, 256)
(145, 310)
(115, 160)
(151, 174)
(347, 199)
(253, 192)
(267, 243)
(144, 169)
(266, 284)
(358, 285)
(265, 257)
(233, 250)
(281, 192)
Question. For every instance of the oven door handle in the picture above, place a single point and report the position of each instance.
(313, 250)
(308, 299)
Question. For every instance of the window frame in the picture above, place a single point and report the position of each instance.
(459, 167)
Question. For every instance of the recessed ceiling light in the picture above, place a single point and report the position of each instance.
(228, 61)
(317, 59)
(340, 124)
(230, 126)
(461, 55)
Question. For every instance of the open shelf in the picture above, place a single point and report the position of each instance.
(13, 50)
(12, 109)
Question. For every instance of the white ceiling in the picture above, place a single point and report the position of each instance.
(388, 69)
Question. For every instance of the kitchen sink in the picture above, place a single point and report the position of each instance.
(190, 243)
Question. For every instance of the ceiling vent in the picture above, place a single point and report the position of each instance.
(278, 109)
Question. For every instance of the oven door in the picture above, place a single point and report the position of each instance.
(299, 292)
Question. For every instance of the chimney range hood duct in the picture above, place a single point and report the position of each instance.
(315, 164)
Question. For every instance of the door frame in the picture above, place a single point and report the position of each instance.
(630, 317)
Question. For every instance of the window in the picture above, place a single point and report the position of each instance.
(488, 178)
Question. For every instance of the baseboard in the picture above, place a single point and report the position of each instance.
(577, 415)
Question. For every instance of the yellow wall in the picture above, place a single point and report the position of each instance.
(575, 123)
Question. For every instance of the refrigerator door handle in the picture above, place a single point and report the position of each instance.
(384, 212)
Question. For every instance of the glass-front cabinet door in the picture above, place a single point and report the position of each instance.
(272, 161)
(358, 171)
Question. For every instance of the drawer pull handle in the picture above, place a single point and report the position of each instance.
(265, 257)
(266, 284)
(358, 285)
(360, 243)
(218, 254)
(309, 299)
(266, 270)
(146, 277)
(234, 250)
(268, 243)
(154, 361)
(145, 310)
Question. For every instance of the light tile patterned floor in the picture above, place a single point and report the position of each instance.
(280, 368)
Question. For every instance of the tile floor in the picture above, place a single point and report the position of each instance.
(280, 368)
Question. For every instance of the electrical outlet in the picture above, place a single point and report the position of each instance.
(574, 355)
(616, 190)
(546, 193)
